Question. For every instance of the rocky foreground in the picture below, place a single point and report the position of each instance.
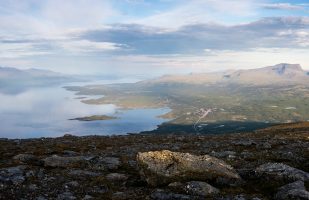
(267, 164)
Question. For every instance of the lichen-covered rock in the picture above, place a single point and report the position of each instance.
(292, 191)
(163, 167)
(281, 172)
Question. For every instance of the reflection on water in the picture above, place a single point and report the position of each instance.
(44, 112)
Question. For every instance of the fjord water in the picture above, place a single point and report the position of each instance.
(45, 112)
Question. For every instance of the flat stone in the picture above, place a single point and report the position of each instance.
(27, 159)
(116, 177)
(111, 163)
(66, 196)
(72, 184)
(244, 142)
(70, 153)
(64, 162)
(105, 163)
(78, 173)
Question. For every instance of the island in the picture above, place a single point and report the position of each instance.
(95, 118)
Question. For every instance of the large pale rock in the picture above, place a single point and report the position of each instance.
(281, 172)
(163, 167)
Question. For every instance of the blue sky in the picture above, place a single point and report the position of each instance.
(152, 37)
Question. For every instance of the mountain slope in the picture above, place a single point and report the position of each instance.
(281, 74)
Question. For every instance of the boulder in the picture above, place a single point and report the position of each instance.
(27, 159)
(163, 167)
(64, 162)
(295, 190)
(280, 172)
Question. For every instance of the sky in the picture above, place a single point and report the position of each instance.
(152, 37)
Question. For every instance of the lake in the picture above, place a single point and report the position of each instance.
(45, 112)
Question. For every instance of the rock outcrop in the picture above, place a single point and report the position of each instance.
(163, 167)
(280, 172)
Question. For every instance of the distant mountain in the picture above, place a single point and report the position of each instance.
(282, 74)
(14, 80)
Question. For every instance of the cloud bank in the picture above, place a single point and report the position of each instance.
(134, 36)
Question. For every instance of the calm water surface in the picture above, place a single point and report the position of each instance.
(44, 112)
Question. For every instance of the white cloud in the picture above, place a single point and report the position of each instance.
(283, 6)
(16, 50)
(79, 46)
(301, 36)
(32, 23)
(200, 11)
(35, 28)
(77, 13)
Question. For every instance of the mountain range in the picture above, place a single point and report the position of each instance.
(280, 74)
(14, 80)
